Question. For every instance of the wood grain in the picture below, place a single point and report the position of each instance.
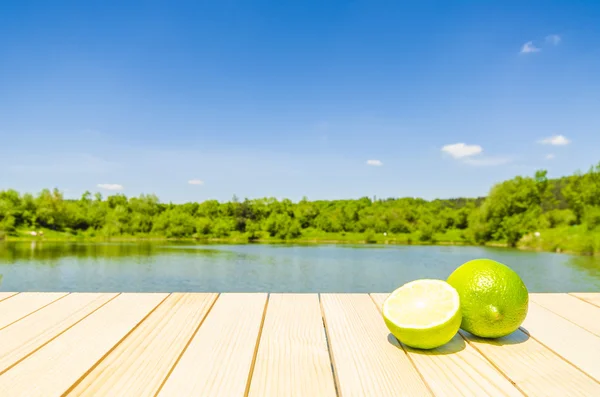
(139, 365)
(53, 369)
(6, 295)
(575, 344)
(219, 359)
(367, 361)
(37, 329)
(457, 369)
(534, 368)
(573, 309)
(593, 298)
(293, 359)
(53, 344)
(23, 304)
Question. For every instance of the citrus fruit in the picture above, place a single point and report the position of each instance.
(493, 298)
(423, 314)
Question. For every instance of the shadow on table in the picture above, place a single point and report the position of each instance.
(458, 343)
(519, 336)
(455, 345)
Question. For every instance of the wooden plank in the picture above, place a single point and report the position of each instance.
(534, 368)
(573, 309)
(6, 295)
(32, 332)
(366, 361)
(457, 368)
(580, 347)
(293, 359)
(593, 298)
(23, 304)
(53, 369)
(219, 359)
(139, 365)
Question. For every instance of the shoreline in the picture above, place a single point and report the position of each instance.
(307, 241)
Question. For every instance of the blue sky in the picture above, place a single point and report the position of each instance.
(336, 99)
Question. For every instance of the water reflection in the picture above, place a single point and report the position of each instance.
(42, 251)
(588, 264)
(152, 266)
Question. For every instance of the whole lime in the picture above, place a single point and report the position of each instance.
(493, 298)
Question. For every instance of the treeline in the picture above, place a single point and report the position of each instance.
(512, 210)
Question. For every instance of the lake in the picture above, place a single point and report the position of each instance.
(154, 267)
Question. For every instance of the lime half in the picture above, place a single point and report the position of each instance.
(424, 314)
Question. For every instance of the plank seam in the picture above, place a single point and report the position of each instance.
(187, 344)
(78, 381)
(57, 335)
(260, 330)
(9, 296)
(559, 355)
(36, 310)
(561, 316)
(565, 360)
(329, 350)
(489, 360)
(574, 296)
(405, 352)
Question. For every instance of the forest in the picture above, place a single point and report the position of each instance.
(532, 212)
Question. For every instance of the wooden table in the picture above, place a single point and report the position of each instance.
(201, 344)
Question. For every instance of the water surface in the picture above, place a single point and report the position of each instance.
(168, 267)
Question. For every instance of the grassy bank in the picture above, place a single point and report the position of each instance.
(310, 236)
(570, 239)
(564, 211)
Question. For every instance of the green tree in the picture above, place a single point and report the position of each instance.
(510, 211)
(50, 209)
(204, 226)
(513, 209)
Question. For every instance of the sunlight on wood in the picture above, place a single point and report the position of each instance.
(59, 364)
(236, 344)
(32, 332)
(139, 365)
(218, 361)
(465, 371)
(293, 355)
(573, 309)
(23, 304)
(592, 298)
(581, 347)
(366, 362)
(534, 368)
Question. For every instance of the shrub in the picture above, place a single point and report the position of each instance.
(591, 217)
(426, 234)
(369, 236)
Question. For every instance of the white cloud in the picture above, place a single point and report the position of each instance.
(550, 156)
(195, 182)
(110, 186)
(471, 155)
(376, 163)
(529, 47)
(460, 150)
(553, 39)
(487, 161)
(555, 140)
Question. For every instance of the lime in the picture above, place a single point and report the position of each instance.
(493, 298)
(423, 314)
